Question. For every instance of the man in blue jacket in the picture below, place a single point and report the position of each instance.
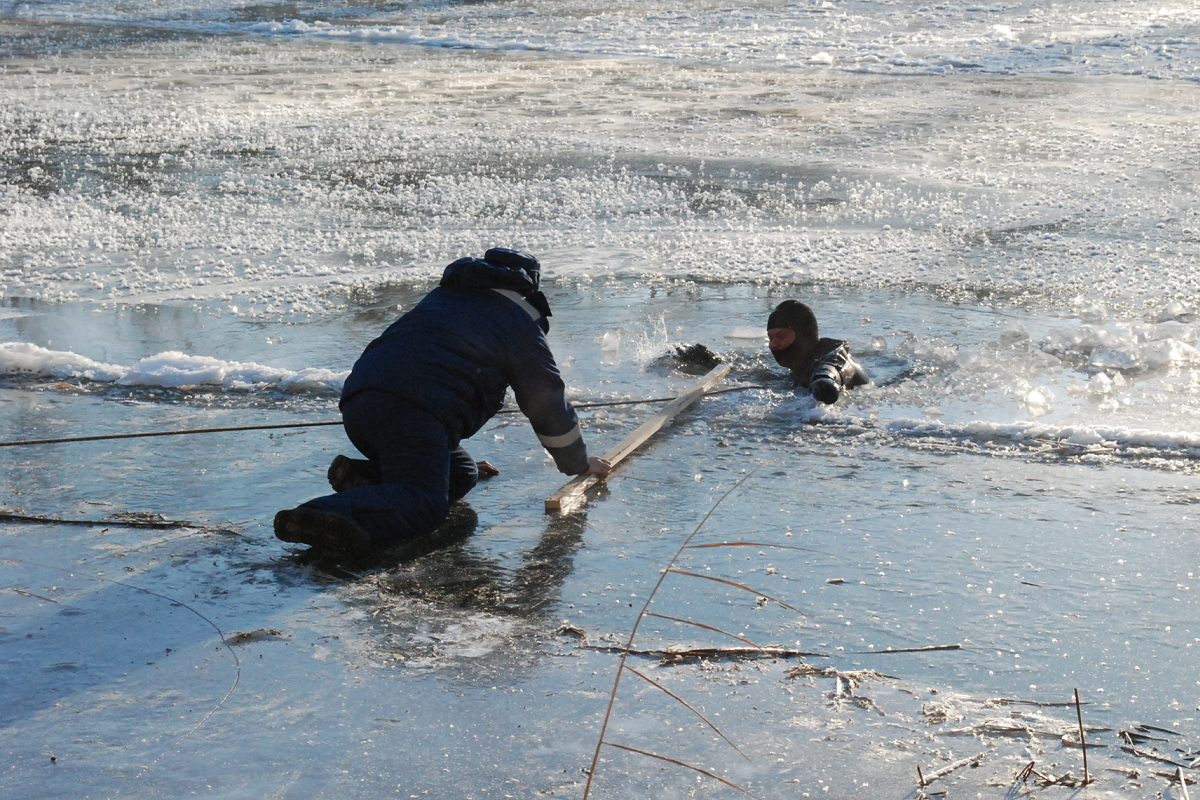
(434, 378)
(821, 365)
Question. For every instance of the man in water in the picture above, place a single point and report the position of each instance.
(434, 378)
(823, 366)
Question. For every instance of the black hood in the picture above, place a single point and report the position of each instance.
(800, 319)
(475, 273)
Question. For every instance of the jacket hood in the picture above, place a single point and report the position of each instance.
(475, 273)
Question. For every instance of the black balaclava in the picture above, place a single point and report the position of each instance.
(800, 318)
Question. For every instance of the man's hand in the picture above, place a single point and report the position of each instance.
(598, 467)
(486, 470)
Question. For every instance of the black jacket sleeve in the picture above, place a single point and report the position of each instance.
(540, 392)
(833, 372)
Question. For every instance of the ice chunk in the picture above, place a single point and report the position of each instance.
(974, 360)
(1176, 330)
(1089, 310)
(1037, 401)
(1100, 384)
(746, 333)
(1115, 359)
(1013, 333)
(1168, 351)
(1172, 310)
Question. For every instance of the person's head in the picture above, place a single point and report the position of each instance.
(792, 333)
(515, 259)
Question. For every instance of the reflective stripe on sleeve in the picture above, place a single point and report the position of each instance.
(521, 301)
(568, 438)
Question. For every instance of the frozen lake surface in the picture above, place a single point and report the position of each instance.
(208, 209)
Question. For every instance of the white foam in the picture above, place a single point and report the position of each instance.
(169, 370)
(24, 358)
(1115, 437)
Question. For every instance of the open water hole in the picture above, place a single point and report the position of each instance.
(465, 669)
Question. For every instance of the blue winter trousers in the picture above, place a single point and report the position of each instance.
(422, 469)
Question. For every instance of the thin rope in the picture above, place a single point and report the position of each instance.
(237, 662)
(146, 434)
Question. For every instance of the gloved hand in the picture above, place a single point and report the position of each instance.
(826, 384)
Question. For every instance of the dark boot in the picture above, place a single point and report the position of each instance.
(330, 533)
(352, 473)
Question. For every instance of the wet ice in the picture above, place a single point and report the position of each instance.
(994, 205)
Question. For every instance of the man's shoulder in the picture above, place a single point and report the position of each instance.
(825, 346)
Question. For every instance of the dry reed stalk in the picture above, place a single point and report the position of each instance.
(1082, 740)
(689, 706)
(682, 764)
(112, 522)
(737, 586)
(612, 698)
(1016, 702)
(946, 770)
(907, 650)
(1182, 783)
(1138, 738)
(758, 544)
(1133, 751)
(706, 627)
(709, 652)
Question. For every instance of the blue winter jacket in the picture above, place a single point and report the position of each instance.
(457, 351)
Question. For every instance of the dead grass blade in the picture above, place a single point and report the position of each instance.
(131, 521)
(1082, 738)
(709, 652)
(758, 544)
(689, 707)
(736, 586)
(1014, 701)
(706, 627)
(930, 649)
(682, 764)
(1133, 751)
(33, 596)
(1182, 783)
(612, 698)
(946, 770)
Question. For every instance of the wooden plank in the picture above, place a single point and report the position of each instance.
(572, 494)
